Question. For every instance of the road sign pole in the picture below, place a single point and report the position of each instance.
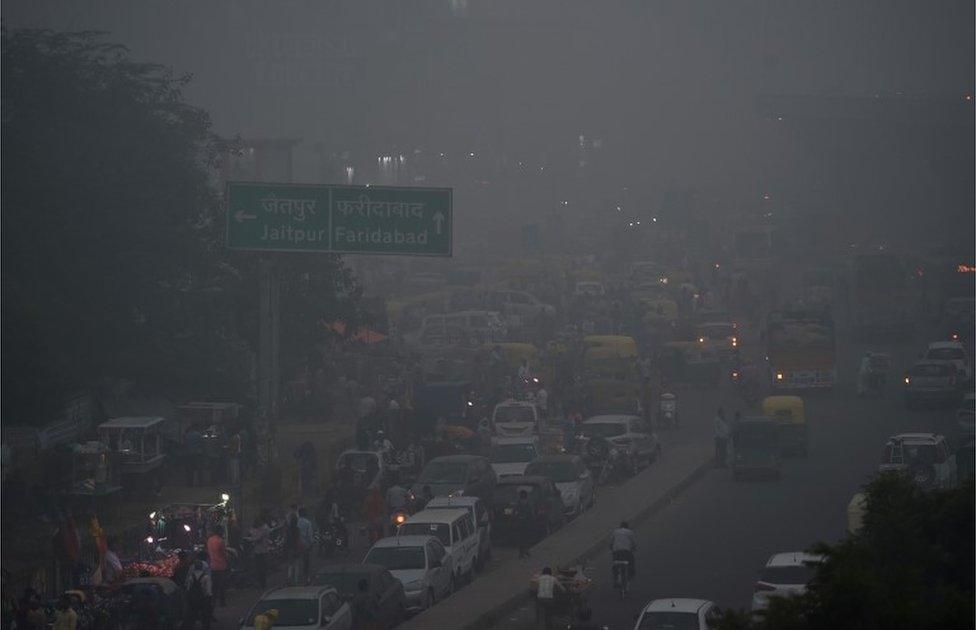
(268, 376)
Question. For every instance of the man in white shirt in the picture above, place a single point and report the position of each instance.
(722, 435)
(623, 544)
(396, 497)
(545, 596)
(542, 401)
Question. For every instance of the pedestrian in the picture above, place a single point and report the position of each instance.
(545, 597)
(306, 535)
(65, 618)
(292, 549)
(374, 510)
(542, 401)
(523, 516)
(111, 565)
(523, 372)
(183, 565)
(722, 434)
(396, 496)
(260, 543)
(219, 565)
(199, 596)
(363, 609)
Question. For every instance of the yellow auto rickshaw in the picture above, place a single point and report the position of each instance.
(624, 347)
(789, 412)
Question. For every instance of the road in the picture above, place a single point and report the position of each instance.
(713, 539)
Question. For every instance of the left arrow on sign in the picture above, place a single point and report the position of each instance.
(242, 216)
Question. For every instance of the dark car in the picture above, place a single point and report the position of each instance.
(544, 499)
(387, 602)
(931, 382)
(458, 475)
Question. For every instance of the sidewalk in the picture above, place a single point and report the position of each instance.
(494, 594)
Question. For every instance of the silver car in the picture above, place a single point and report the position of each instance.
(421, 563)
(303, 608)
(627, 433)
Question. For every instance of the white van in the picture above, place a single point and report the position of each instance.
(479, 512)
(456, 530)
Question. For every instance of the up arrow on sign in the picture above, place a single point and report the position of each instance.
(438, 220)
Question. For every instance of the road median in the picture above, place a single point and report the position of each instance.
(503, 588)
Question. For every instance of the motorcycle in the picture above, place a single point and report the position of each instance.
(667, 411)
(333, 540)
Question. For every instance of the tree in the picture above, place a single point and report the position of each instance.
(911, 567)
(112, 261)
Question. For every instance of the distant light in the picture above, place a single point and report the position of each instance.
(969, 97)
(565, 203)
(779, 118)
(442, 155)
(224, 497)
(186, 528)
(542, 168)
(638, 223)
(152, 515)
(654, 219)
(631, 224)
(618, 208)
(150, 540)
(471, 154)
(766, 196)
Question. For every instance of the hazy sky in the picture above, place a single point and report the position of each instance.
(670, 86)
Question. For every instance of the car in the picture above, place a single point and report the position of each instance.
(459, 475)
(955, 353)
(516, 418)
(303, 608)
(925, 457)
(543, 496)
(421, 564)
(480, 515)
(510, 456)
(387, 602)
(625, 432)
(456, 530)
(784, 574)
(966, 414)
(931, 381)
(518, 303)
(723, 336)
(589, 289)
(368, 466)
(677, 613)
(572, 479)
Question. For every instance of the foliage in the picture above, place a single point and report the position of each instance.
(911, 567)
(112, 262)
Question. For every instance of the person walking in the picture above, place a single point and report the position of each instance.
(545, 597)
(374, 510)
(722, 433)
(219, 565)
(523, 516)
(306, 536)
(293, 550)
(199, 596)
(235, 447)
(260, 543)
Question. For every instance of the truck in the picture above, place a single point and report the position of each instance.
(801, 350)
(880, 301)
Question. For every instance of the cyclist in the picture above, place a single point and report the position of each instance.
(623, 545)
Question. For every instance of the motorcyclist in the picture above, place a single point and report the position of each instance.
(864, 373)
(623, 544)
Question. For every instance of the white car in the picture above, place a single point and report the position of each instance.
(510, 456)
(625, 432)
(677, 613)
(420, 562)
(516, 418)
(572, 479)
(925, 457)
(479, 513)
(953, 352)
(784, 574)
(303, 608)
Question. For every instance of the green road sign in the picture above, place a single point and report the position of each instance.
(341, 219)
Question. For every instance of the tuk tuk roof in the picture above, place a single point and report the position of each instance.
(132, 422)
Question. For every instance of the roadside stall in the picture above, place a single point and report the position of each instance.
(136, 443)
(93, 483)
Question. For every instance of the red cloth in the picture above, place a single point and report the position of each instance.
(217, 552)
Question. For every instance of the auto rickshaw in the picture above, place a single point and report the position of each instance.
(668, 410)
(607, 395)
(756, 447)
(691, 362)
(623, 346)
(788, 411)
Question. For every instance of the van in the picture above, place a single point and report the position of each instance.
(479, 512)
(456, 530)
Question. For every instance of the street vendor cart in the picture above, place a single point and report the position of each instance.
(569, 601)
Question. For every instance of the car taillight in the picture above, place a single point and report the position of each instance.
(762, 586)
